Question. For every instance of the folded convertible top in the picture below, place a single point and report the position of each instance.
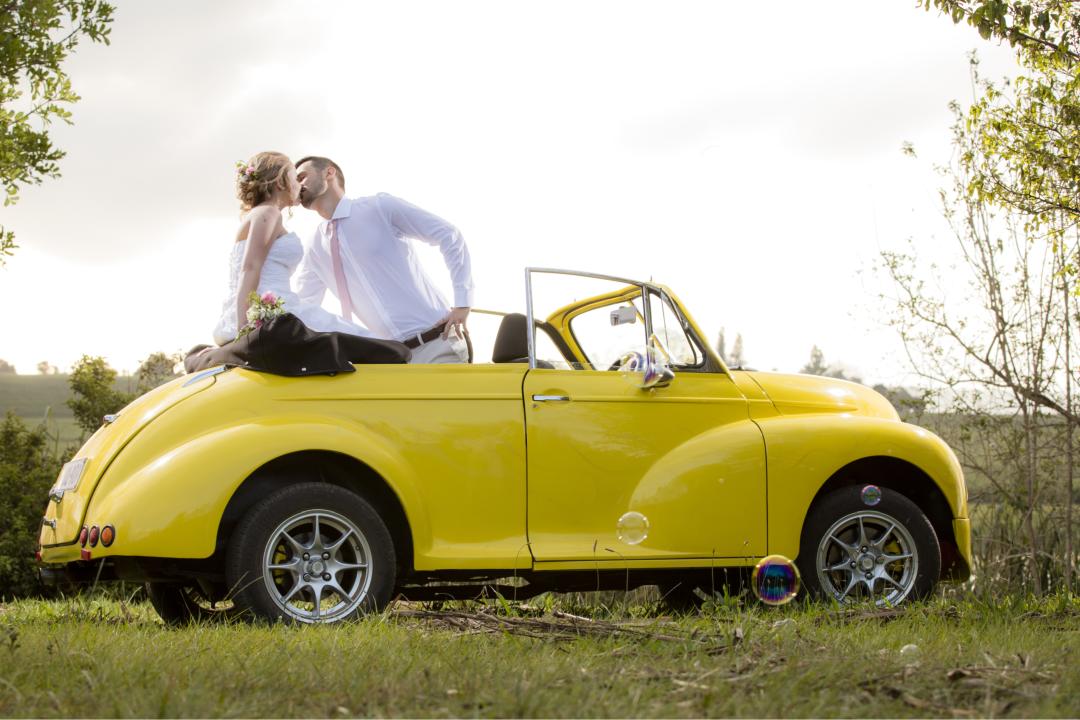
(285, 346)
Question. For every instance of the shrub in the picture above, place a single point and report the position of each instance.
(27, 471)
(94, 395)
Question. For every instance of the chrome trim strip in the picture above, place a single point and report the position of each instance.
(529, 318)
(206, 373)
(581, 273)
(577, 273)
(551, 398)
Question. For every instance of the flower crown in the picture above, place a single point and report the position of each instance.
(245, 171)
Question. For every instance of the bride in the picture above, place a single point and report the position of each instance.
(264, 254)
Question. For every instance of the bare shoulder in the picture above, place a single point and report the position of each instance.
(263, 214)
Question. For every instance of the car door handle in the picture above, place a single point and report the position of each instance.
(551, 398)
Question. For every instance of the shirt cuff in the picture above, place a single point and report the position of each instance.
(463, 297)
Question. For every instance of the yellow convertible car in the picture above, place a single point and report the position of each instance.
(605, 445)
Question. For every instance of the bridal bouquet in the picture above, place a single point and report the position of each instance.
(262, 309)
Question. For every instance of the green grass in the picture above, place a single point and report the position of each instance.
(101, 657)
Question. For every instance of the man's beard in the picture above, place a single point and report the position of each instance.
(308, 195)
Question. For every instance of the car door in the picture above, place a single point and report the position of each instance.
(686, 456)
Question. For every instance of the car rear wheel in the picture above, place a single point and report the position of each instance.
(311, 553)
(886, 552)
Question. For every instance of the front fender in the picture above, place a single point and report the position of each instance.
(803, 452)
(169, 502)
(716, 478)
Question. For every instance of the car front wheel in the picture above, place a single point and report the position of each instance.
(884, 550)
(182, 603)
(311, 553)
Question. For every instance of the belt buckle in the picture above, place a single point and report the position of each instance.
(419, 340)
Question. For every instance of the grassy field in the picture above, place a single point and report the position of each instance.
(34, 398)
(31, 395)
(560, 658)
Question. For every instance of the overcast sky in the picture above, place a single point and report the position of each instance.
(749, 160)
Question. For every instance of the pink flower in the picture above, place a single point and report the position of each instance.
(250, 169)
(268, 298)
(258, 324)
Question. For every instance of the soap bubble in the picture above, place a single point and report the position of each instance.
(871, 495)
(632, 366)
(644, 368)
(632, 528)
(775, 580)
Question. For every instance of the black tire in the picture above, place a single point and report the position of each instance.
(182, 603)
(688, 594)
(295, 531)
(854, 568)
(680, 597)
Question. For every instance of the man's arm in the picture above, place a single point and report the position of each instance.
(414, 222)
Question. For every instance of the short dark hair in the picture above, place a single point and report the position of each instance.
(321, 163)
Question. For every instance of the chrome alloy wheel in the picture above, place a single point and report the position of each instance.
(867, 555)
(316, 566)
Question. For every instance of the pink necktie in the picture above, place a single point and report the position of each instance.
(339, 273)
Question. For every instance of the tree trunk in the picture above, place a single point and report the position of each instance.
(1030, 438)
(1069, 427)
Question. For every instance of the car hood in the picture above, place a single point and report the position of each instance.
(810, 394)
(103, 446)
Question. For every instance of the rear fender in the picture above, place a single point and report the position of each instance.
(169, 504)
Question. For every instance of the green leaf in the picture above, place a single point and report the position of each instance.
(36, 37)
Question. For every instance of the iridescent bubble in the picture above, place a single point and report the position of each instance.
(644, 368)
(632, 364)
(775, 580)
(871, 495)
(632, 528)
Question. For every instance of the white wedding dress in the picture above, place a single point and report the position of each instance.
(285, 254)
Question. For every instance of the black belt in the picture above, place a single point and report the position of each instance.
(425, 337)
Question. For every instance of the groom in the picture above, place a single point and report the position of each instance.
(362, 255)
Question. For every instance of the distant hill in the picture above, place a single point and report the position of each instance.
(30, 395)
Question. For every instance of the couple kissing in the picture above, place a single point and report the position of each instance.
(361, 253)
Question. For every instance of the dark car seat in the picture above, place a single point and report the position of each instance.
(512, 342)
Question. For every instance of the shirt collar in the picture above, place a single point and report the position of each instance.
(343, 209)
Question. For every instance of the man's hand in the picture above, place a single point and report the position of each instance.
(456, 321)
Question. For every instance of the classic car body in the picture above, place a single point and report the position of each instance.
(517, 467)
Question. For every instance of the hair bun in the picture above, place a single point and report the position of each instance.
(259, 177)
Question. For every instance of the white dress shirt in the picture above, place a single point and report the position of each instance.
(391, 295)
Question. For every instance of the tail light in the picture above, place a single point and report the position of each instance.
(108, 534)
(83, 535)
(94, 533)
